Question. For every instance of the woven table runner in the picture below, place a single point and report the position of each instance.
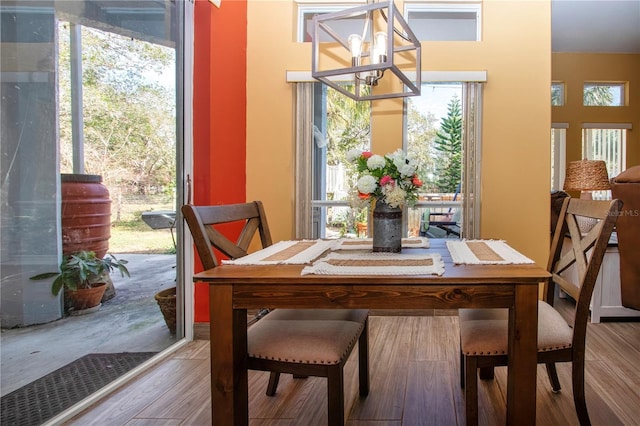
(376, 264)
(367, 243)
(286, 252)
(483, 252)
(291, 251)
(486, 252)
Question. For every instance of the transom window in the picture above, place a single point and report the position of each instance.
(604, 94)
(557, 94)
(444, 21)
(429, 21)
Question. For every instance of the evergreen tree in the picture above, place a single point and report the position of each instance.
(448, 147)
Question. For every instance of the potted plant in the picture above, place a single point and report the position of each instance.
(82, 277)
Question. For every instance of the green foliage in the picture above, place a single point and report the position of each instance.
(421, 132)
(448, 144)
(81, 269)
(348, 126)
(597, 96)
(129, 117)
(556, 95)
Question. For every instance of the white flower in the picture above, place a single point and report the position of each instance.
(376, 162)
(367, 184)
(353, 155)
(405, 164)
(394, 195)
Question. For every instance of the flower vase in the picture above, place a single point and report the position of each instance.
(387, 228)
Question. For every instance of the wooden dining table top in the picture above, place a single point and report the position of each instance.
(282, 273)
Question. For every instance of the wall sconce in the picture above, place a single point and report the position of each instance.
(380, 61)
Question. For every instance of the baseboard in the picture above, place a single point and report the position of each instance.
(201, 331)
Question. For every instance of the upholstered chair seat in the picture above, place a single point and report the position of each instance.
(322, 342)
(486, 330)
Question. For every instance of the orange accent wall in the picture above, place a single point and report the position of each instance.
(219, 113)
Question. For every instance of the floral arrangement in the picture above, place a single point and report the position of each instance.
(392, 178)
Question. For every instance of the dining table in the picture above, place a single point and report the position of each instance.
(235, 288)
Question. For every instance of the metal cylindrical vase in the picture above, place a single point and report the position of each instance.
(387, 228)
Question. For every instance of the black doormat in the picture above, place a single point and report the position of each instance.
(44, 398)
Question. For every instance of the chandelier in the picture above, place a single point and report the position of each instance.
(379, 61)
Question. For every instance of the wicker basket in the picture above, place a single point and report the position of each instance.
(167, 301)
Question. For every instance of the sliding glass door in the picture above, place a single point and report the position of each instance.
(90, 88)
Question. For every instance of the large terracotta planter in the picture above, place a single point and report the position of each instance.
(84, 298)
(86, 214)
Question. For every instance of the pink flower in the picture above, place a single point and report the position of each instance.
(386, 180)
(366, 154)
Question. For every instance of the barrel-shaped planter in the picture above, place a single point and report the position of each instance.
(86, 214)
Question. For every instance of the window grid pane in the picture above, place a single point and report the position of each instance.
(604, 94)
(607, 145)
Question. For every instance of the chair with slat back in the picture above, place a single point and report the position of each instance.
(574, 263)
(315, 342)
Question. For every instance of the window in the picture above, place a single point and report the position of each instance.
(558, 154)
(604, 94)
(444, 22)
(433, 134)
(557, 94)
(603, 141)
(324, 181)
(429, 22)
(607, 143)
(307, 12)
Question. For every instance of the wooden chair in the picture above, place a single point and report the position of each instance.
(302, 342)
(483, 332)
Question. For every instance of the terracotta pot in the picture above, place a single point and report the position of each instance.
(85, 298)
(361, 227)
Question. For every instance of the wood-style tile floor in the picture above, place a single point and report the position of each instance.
(414, 381)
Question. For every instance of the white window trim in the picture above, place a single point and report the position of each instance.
(625, 126)
(327, 6)
(559, 156)
(451, 6)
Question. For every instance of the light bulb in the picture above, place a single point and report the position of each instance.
(379, 53)
(355, 47)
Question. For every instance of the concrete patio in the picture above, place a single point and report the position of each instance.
(129, 322)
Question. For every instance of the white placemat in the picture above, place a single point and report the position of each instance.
(376, 264)
(486, 252)
(296, 252)
(367, 243)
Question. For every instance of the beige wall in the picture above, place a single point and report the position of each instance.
(574, 69)
(515, 52)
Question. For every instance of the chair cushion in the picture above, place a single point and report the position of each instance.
(485, 331)
(305, 341)
(355, 315)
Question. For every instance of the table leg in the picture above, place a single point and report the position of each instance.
(523, 357)
(228, 345)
